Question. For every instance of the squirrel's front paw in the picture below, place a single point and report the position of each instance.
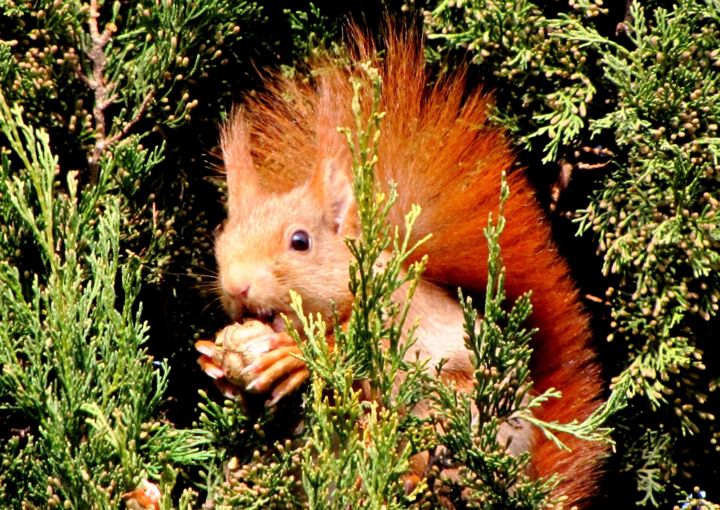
(252, 357)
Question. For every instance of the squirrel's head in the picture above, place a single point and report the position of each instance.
(272, 243)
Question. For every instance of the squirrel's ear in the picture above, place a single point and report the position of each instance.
(334, 187)
(239, 169)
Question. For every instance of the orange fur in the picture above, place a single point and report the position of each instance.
(437, 145)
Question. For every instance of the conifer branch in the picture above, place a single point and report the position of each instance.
(102, 91)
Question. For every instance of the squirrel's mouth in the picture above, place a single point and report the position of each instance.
(272, 318)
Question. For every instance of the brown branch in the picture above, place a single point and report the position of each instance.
(568, 167)
(103, 92)
(100, 88)
(136, 118)
(560, 184)
(592, 166)
(596, 299)
(623, 26)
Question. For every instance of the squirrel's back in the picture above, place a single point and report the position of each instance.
(438, 146)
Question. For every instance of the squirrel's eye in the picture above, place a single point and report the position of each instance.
(300, 240)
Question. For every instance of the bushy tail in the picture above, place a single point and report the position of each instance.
(437, 145)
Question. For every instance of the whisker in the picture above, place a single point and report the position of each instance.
(216, 303)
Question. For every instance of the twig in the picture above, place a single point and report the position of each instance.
(129, 124)
(622, 27)
(103, 92)
(567, 168)
(100, 89)
(560, 184)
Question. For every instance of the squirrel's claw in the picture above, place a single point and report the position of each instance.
(281, 340)
(289, 385)
(208, 365)
(273, 366)
(206, 347)
(228, 389)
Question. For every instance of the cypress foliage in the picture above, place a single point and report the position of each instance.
(83, 85)
(631, 97)
(107, 115)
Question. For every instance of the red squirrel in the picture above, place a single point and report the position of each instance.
(290, 207)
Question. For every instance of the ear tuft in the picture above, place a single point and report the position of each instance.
(237, 157)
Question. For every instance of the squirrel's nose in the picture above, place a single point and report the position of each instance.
(236, 282)
(243, 291)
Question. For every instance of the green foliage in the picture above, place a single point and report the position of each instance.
(696, 501)
(579, 88)
(133, 57)
(103, 200)
(81, 400)
(360, 431)
(653, 449)
(477, 428)
(74, 370)
(549, 76)
(657, 218)
(104, 77)
(312, 31)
